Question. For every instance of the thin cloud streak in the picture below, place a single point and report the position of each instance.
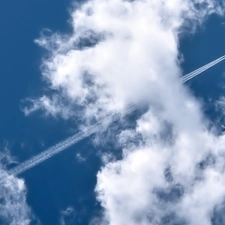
(86, 132)
(63, 145)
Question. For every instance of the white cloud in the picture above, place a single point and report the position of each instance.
(129, 40)
(183, 180)
(50, 106)
(165, 175)
(14, 209)
(80, 158)
(67, 216)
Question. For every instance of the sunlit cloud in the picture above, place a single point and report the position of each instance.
(123, 52)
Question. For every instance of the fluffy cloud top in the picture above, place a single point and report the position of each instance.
(117, 51)
(123, 52)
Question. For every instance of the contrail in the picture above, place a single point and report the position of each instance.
(86, 132)
(201, 69)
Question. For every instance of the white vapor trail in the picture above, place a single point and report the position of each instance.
(86, 132)
(201, 69)
(91, 130)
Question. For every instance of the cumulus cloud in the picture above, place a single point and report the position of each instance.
(115, 51)
(122, 52)
(13, 205)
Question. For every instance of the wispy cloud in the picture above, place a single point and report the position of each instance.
(14, 209)
(67, 216)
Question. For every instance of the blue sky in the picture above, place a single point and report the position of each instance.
(48, 93)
